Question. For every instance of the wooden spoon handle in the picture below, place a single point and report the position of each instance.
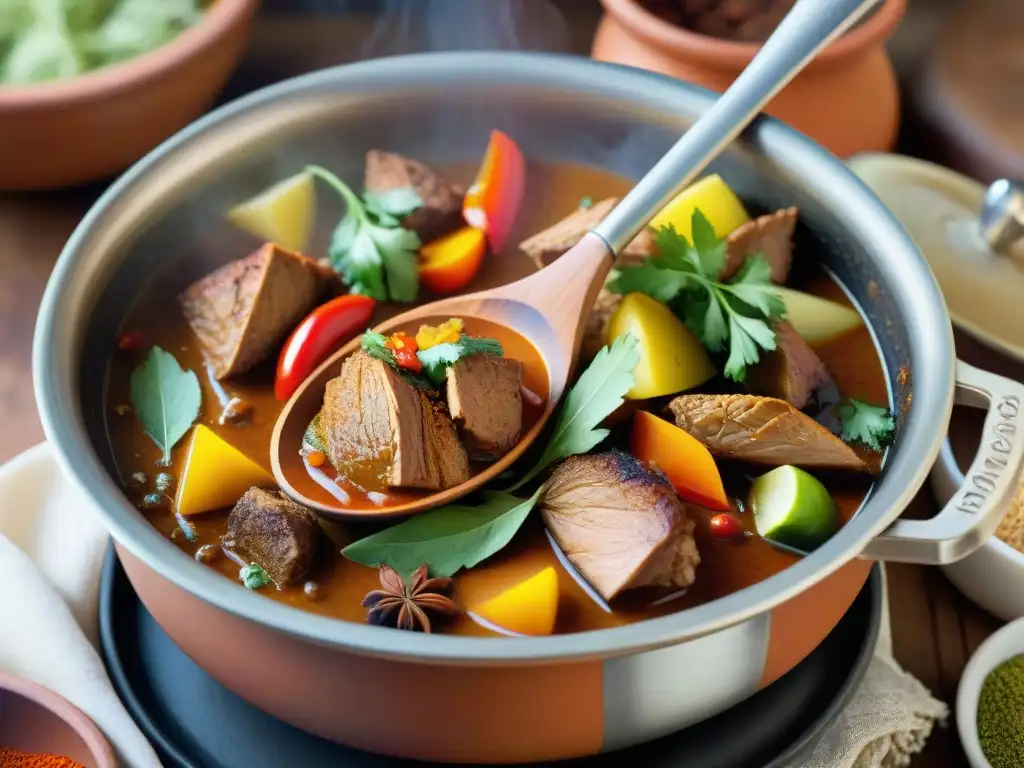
(565, 290)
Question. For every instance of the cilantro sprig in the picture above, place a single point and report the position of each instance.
(437, 359)
(871, 425)
(736, 315)
(370, 248)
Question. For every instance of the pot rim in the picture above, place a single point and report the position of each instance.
(56, 355)
(136, 72)
(730, 54)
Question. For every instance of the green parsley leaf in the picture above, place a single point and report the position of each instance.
(395, 202)
(599, 390)
(374, 344)
(253, 576)
(166, 398)
(313, 438)
(586, 202)
(733, 316)
(648, 278)
(753, 286)
(708, 247)
(369, 248)
(871, 425)
(437, 359)
(446, 539)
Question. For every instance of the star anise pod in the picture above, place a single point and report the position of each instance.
(409, 604)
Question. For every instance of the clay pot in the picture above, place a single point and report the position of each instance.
(847, 99)
(93, 126)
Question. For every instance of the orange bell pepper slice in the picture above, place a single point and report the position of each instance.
(687, 464)
(493, 201)
(450, 262)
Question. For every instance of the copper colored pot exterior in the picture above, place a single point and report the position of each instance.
(848, 105)
(480, 714)
(94, 126)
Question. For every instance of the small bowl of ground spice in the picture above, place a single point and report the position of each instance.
(40, 729)
(990, 701)
(993, 575)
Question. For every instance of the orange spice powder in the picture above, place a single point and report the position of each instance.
(12, 758)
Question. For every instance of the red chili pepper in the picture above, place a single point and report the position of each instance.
(404, 348)
(322, 331)
(725, 526)
(492, 203)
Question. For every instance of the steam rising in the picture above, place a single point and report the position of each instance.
(450, 25)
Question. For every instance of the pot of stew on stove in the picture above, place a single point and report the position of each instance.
(763, 385)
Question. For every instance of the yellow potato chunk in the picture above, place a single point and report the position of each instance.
(816, 319)
(715, 200)
(283, 214)
(529, 607)
(671, 358)
(216, 474)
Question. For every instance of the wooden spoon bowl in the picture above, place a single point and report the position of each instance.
(547, 309)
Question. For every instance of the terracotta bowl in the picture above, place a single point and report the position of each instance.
(35, 719)
(487, 700)
(847, 99)
(67, 132)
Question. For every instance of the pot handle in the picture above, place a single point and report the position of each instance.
(976, 507)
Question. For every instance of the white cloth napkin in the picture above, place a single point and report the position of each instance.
(51, 551)
(887, 722)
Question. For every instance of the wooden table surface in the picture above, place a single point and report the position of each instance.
(935, 629)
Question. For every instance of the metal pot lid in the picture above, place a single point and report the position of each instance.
(972, 237)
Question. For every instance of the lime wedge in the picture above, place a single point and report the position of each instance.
(283, 214)
(793, 508)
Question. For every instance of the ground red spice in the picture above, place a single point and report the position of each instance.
(12, 758)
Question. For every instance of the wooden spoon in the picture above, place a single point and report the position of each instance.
(548, 308)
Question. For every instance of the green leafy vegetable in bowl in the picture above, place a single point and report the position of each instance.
(43, 40)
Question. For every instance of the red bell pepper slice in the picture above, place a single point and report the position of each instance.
(493, 201)
(451, 262)
(323, 330)
(404, 348)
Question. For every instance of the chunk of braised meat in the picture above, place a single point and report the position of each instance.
(793, 371)
(620, 523)
(382, 432)
(762, 430)
(770, 237)
(244, 310)
(270, 529)
(547, 245)
(441, 212)
(485, 402)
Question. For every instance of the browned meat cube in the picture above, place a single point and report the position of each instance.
(769, 236)
(546, 246)
(793, 372)
(382, 432)
(441, 211)
(244, 310)
(620, 523)
(272, 530)
(484, 401)
(762, 430)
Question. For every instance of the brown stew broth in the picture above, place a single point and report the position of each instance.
(552, 192)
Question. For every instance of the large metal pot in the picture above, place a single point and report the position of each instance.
(502, 700)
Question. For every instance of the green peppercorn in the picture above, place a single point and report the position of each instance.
(164, 482)
(154, 501)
